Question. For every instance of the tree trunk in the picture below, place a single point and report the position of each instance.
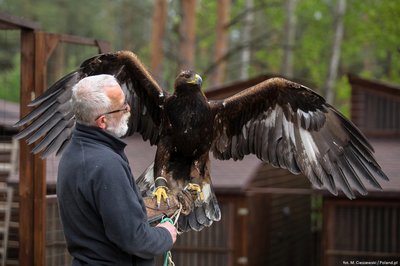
(187, 32)
(157, 37)
(337, 41)
(221, 45)
(126, 25)
(289, 38)
(246, 38)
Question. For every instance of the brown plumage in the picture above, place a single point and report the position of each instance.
(283, 123)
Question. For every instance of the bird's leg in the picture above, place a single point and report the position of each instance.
(195, 187)
(197, 175)
(160, 172)
(161, 191)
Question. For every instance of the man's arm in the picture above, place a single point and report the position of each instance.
(171, 229)
(124, 220)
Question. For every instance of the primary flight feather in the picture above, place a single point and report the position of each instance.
(283, 123)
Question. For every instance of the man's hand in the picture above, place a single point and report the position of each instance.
(171, 229)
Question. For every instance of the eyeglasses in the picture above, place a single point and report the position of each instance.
(123, 109)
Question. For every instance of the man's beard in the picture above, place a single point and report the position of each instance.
(119, 129)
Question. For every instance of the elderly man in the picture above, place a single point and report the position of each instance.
(102, 211)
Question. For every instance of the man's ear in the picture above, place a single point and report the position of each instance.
(101, 122)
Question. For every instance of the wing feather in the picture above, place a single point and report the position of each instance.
(33, 114)
(50, 123)
(54, 91)
(58, 143)
(58, 129)
(38, 122)
(292, 127)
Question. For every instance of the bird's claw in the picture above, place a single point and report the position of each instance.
(161, 191)
(196, 188)
(161, 194)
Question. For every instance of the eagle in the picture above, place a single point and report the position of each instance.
(282, 122)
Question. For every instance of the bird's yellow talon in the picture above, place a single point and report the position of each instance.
(161, 194)
(195, 188)
(161, 190)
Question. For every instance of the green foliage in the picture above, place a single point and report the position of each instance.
(314, 36)
(10, 82)
(205, 31)
(372, 39)
(343, 93)
(268, 21)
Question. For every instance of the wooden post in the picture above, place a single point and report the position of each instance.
(26, 207)
(39, 183)
(32, 185)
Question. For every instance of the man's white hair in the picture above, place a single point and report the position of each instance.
(89, 99)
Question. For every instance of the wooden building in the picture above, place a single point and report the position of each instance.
(367, 229)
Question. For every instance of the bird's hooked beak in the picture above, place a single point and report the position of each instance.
(196, 80)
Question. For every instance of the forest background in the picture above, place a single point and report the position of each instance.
(315, 41)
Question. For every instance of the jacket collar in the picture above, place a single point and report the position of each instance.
(99, 135)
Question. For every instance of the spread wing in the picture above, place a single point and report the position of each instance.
(52, 120)
(292, 127)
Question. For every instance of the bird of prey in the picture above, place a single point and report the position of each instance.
(283, 123)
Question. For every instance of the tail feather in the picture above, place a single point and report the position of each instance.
(201, 215)
(193, 222)
(183, 224)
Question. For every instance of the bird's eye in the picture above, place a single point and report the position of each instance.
(187, 76)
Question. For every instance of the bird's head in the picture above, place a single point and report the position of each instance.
(188, 81)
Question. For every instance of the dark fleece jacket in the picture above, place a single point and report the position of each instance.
(102, 211)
